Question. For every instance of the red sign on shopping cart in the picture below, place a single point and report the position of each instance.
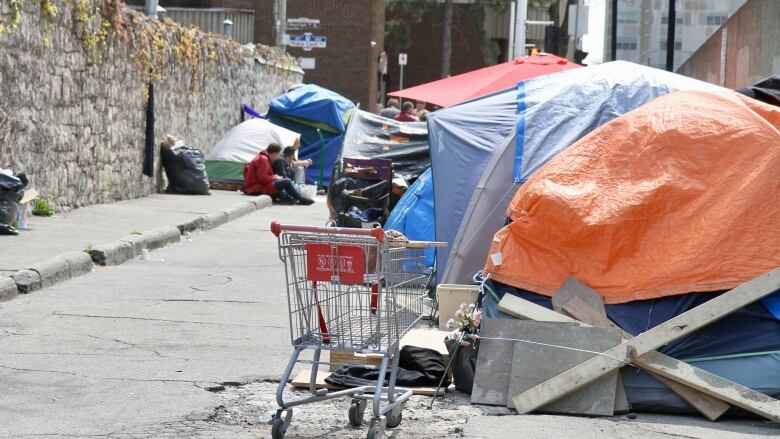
(324, 261)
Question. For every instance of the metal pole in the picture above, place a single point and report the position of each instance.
(227, 28)
(150, 8)
(280, 18)
(512, 17)
(613, 31)
(670, 28)
(520, 17)
(401, 86)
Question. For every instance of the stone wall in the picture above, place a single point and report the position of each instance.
(73, 76)
(752, 52)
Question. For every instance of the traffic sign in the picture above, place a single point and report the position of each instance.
(401, 59)
(302, 23)
(307, 41)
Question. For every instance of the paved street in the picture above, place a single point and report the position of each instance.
(135, 346)
(189, 344)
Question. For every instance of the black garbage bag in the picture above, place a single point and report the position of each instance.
(464, 363)
(185, 168)
(11, 192)
(417, 367)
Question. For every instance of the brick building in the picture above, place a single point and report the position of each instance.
(348, 64)
(424, 54)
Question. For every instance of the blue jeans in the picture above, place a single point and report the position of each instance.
(286, 185)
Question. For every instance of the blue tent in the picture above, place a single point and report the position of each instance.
(321, 117)
(482, 150)
(413, 214)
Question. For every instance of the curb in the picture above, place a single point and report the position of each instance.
(73, 264)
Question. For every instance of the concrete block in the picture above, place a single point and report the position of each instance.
(238, 210)
(262, 201)
(112, 253)
(79, 262)
(27, 281)
(160, 237)
(214, 220)
(136, 241)
(8, 289)
(52, 271)
(193, 224)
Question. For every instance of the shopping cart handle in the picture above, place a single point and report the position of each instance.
(277, 228)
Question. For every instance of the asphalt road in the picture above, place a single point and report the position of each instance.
(129, 351)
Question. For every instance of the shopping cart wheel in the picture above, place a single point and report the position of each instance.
(394, 417)
(356, 410)
(279, 427)
(277, 430)
(377, 428)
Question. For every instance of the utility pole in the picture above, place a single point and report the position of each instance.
(150, 8)
(613, 31)
(446, 47)
(670, 28)
(518, 14)
(280, 21)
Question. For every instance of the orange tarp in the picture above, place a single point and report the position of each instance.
(679, 195)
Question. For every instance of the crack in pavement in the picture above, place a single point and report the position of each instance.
(143, 348)
(21, 369)
(227, 280)
(144, 380)
(57, 313)
(203, 300)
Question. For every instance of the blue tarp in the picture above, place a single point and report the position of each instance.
(549, 113)
(413, 214)
(314, 103)
(462, 139)
(315, 113)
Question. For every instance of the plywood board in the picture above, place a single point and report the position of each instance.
(536, 363)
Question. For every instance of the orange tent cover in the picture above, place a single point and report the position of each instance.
(679, 195)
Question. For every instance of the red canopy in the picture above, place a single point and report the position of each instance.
(460, 88)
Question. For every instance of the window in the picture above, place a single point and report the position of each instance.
(677, 44)
(677, 18)
(628, 17)
(626, 43)
(716, 20)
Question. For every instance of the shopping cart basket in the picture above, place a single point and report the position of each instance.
(350, 290)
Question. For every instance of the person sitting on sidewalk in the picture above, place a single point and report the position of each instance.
(407, 114)
(287, 166)
(259, 178)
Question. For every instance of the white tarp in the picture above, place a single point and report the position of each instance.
(243, 142)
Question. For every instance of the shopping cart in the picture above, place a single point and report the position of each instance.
(351, 290)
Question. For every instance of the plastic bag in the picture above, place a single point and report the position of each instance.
(464, 363)
(186, 170)
(11, 191)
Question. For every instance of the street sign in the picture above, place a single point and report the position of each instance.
(303, 23)
(307, 63)
(307, 41)
(401, 59)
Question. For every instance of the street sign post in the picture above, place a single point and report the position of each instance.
(307, 41)
(401, 63)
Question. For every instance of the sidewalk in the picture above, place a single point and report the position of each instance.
(94, 226)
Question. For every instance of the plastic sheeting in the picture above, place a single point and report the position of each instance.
(314, 104)
(370, 136)
(225, 162)
(460, 88)
(557, 111)
(321, 117)
(462, 140)
(679, 195)
(413, 214)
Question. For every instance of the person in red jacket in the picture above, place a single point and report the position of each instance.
(259, 178)
(407, 113)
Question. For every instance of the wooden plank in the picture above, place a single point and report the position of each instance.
(523, 309)
(572, 288)
(710, 407)
(301, 381)
(430, 338)
(660, 335)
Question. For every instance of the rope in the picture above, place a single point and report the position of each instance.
(484, 220)
(555, 346)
